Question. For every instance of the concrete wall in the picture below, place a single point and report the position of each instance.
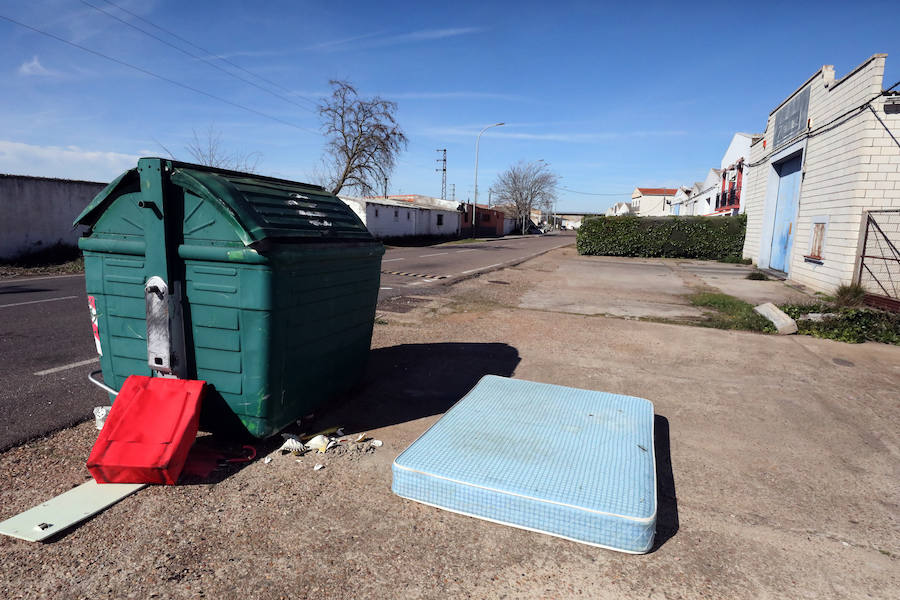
(37, 212)
(851, 166)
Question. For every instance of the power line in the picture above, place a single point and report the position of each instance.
(158, 76)
(593, 194)
(200, 48)
(195, 56)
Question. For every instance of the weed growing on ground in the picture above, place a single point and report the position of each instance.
(852, 325)
(56, 260)
(850, 295)
(731, 313)
(757, 276)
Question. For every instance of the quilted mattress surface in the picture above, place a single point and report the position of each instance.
(572, 463)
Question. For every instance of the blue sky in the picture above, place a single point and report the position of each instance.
(611, 95)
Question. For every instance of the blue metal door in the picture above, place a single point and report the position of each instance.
(785, 214)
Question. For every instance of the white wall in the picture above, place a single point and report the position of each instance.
(37, 212)
(849, 167)
(737, 149)
(389, 220)
(652, 206)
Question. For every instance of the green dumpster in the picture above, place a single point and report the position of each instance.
(262, 287)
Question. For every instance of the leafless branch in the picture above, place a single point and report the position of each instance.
(364, 139)
(207, 149)
(524, 186)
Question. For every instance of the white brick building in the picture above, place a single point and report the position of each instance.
(830, 154)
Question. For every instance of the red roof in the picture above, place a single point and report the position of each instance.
(658, 191)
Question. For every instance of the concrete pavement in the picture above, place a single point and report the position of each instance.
(777, 463)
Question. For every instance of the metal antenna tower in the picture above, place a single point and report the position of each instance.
(443, 170)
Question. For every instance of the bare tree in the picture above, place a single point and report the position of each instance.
(207, 149)
(524, 186)
(364, 139)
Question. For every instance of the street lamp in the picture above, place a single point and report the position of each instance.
(475, 202)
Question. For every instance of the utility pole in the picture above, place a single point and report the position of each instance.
(385, 187)
(443, 170)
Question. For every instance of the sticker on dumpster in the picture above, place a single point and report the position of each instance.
(93, 306)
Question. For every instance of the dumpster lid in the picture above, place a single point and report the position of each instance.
(261, 207)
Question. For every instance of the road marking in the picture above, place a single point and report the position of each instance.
(482, 268)
(68, 366)
(467, 250)
(36, 301)
(437, 254)
(392, 259)
(27, 279)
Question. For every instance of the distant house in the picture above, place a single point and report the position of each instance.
(491, 221)
(703, 196)
(822, 194)
(680, 200)
(387, 217)
(619, 209)
(652, 202)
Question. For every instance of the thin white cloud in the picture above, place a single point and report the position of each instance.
(34, 68)
(345, 41)
(582, 138)
(462, 95)
(70, 162)
(382, 39)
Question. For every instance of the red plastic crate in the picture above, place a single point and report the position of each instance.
(149, 431)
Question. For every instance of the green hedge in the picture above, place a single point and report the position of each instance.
(666, 237)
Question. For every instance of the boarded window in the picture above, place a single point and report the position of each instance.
(818, 240)
(440, 220)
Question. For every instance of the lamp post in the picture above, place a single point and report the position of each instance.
(475, 202)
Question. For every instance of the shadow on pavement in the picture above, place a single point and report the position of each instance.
(410, 381)
(666, 501)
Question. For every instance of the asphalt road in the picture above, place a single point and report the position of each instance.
(47, 347)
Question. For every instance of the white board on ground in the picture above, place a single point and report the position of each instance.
(59, 513)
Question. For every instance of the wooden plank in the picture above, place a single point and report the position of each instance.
(67, 509)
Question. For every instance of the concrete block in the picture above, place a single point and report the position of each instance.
(783, 323)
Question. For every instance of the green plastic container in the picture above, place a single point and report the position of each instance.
(262, 287)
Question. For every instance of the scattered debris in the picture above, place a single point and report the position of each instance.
(320, 443)
(318, 467)
(292, 444)
(377, 443)
(361, 438)
(100, 414)
(267, 459)
(783, 323)
(810, 317)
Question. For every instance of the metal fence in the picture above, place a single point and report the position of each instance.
(879, 265)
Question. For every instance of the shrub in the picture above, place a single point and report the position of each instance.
(850, 295)
(736, 260)
(757, 276)
(663, 237)
(853, 325)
